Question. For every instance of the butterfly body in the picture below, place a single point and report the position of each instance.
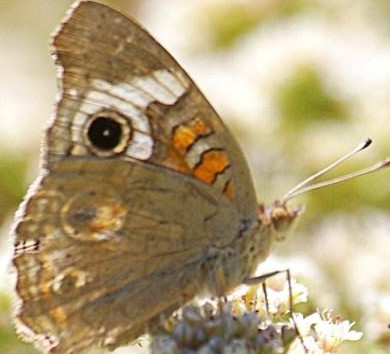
(144, 198)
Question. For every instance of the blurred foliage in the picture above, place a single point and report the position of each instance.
(228, 22)
(13, 166)
(304, 100)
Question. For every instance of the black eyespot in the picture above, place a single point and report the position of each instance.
(105, 133)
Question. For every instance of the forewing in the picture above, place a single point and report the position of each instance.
(108, 62)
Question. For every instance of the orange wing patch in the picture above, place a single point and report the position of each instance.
(210, 164)
(213, 162)
(185, 135)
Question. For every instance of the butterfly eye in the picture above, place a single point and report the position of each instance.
(107, 133)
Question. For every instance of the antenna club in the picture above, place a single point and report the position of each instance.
(366, 143)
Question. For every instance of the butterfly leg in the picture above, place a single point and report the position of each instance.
(261, 279)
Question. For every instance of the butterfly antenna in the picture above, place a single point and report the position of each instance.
(305, 186)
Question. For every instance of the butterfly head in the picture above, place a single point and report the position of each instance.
(279, 218)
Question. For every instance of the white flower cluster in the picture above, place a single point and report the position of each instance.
(252, 320)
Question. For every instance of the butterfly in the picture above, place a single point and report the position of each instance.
(144, 198)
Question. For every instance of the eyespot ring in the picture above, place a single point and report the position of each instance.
(107, 133)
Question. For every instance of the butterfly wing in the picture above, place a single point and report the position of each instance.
(142, 190)
(107, 60)
(98, 260)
